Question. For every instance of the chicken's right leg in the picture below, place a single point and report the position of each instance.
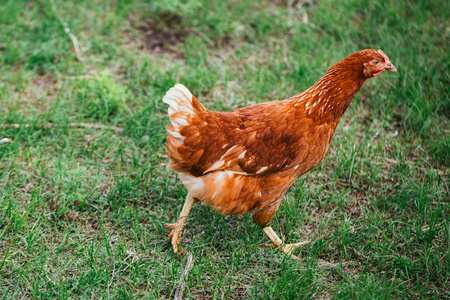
(177, 228)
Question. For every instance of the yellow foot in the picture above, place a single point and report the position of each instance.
(277, 242)
(288, 248)
(175, 236)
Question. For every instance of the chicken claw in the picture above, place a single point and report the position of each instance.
(177, 228)
(175, 235)
(277, 242)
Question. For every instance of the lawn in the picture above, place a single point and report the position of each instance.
(84, 186)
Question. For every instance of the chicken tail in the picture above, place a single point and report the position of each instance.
(183, 105)
(184, 108)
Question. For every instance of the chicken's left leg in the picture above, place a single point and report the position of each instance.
(286, 248)
(177, 228)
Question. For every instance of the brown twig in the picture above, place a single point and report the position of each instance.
(96, 126)
(182, 283)
(85, 125)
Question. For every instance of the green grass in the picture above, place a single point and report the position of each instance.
(82, 209)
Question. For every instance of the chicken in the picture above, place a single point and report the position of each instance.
(245, 160)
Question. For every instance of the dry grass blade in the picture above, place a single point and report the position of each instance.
(182, 283)
(74, 39)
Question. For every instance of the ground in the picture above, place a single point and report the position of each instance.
(84, 188)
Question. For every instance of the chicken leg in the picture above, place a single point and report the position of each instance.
(286, 248)
(177, 228)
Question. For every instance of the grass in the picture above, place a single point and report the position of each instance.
(82, 209)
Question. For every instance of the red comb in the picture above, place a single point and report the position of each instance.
(383, 55)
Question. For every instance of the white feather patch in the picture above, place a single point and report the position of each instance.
(195, 185)
(175, 134)
(186, 109)
(178, 122)
(171, 101)
(218, 164)
(229, 150)
(236, 172)
(261, 170)
(185, 91)
(242, 155)
(179, 98)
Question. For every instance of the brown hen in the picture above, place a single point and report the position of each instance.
(245, 160)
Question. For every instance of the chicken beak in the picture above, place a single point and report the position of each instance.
(390, 67)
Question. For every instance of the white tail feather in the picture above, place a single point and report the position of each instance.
(180, 112)
(179, 122)
(175, 134)
(180, 99)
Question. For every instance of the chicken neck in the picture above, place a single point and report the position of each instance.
(328, 99)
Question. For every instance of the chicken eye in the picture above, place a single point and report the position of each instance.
(376, 61)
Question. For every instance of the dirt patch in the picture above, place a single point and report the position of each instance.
(44, 81)
(163, 34)
(41, 92)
